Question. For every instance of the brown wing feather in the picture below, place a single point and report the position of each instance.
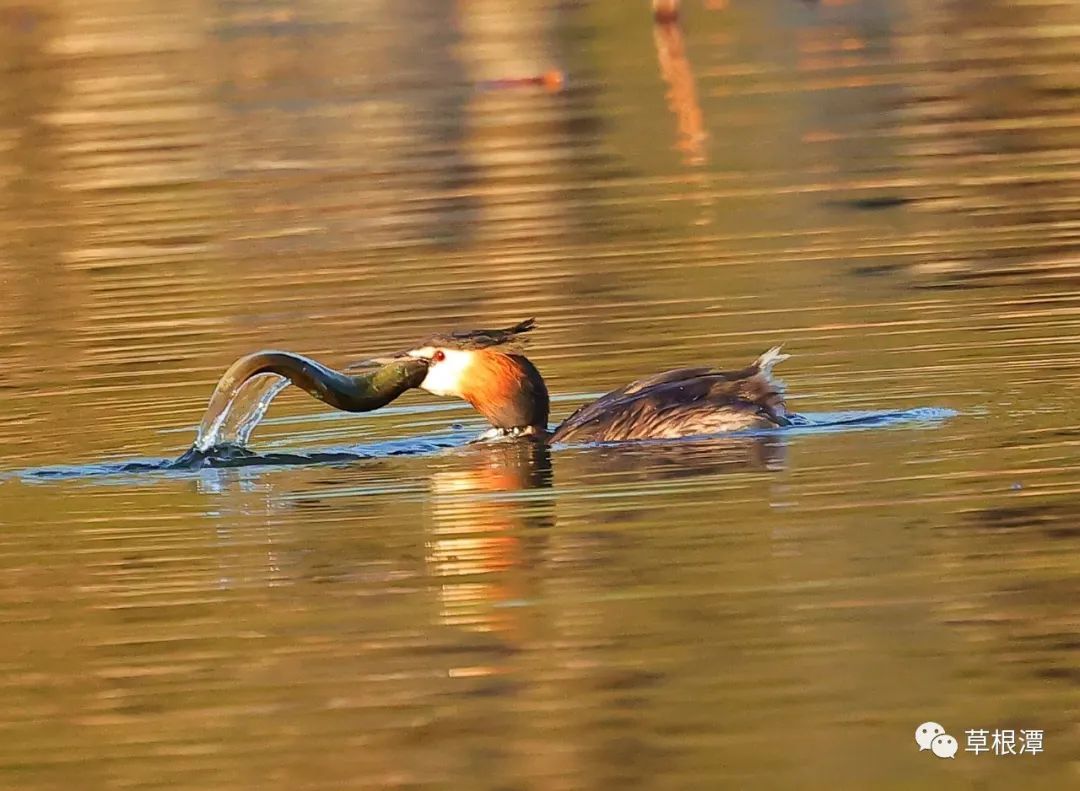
(680, 403)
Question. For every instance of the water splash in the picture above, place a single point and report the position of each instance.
(233, 424)
(824, 422)
(229, 456)
(246, 424)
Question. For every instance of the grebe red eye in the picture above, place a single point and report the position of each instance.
(439, 356)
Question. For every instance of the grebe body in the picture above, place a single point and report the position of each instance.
(486, 368)
(681, 403)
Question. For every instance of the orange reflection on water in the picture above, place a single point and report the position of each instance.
(682, 92)
(476, 547)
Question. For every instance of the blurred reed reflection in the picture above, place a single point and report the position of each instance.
(682, 97)
(969, 125)
(34, 216)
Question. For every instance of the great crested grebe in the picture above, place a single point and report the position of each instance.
(487, 369)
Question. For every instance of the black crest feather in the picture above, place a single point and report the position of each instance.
(480, 339)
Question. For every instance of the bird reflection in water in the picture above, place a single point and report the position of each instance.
(485, 535)
(690, 458)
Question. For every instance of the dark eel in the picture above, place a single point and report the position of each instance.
(360, 393)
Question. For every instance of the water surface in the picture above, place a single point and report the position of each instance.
(888, 188)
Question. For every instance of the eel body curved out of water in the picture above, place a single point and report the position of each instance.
(361, 392)
(351, 393)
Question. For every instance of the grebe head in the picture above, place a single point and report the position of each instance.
(487, 369)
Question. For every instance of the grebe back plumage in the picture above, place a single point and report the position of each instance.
(681, 403)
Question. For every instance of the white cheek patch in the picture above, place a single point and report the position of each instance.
(446, 377)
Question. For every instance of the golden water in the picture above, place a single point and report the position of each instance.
(889, 188)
